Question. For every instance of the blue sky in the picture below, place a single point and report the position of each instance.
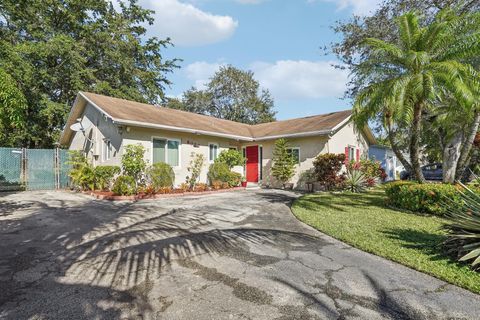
(279, 40)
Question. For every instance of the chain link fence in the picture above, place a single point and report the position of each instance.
(33, 169)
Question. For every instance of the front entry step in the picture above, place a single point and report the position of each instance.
(252, 185)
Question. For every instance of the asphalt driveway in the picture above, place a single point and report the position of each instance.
(238, 255)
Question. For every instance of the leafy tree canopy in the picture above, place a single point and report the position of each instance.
(53, 49)
(12, 111)
(231, 94)
(382, 25)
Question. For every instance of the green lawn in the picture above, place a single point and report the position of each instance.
(363, 221)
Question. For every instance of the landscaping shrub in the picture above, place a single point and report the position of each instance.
(161, 175)
(220, 171)
(216, 184)
(231, 158)
(133, 162)
(200, 187)
(355, 180)
(426, 198)
(82, 173)
(464, 230)
(372, 170)
(327, 170)
(283, 167)
(124, 186)
(195, 168)
(104, 176)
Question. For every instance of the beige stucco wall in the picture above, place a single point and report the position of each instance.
(98, 129)
(189, 143)
(102, 128)
(310, 147)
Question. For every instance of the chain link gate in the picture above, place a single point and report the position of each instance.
(33, 169)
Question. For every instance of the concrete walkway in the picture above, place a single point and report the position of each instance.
(239, 255)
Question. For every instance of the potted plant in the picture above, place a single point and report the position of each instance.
(283, 167)
(308, 179)
(243, 181)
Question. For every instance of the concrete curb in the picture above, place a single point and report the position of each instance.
(160, 195)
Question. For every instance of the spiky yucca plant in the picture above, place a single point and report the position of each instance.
(355, 180)
(464, 230)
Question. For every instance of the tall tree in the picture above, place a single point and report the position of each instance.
(406, 73)
(231, 94)
(12, 111)
(381, 24)
(53, 49)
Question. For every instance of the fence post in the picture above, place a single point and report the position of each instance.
(57, 169)
(23, 174)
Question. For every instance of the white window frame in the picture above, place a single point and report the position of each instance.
(296, 148)
(166, 139)
(218, 151)
(106, 150)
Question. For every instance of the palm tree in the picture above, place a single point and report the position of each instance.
(405, 75)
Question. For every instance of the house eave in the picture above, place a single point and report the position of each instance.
(295, 135)
(179, 129)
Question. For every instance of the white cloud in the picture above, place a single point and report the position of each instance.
(200, 72)
(359, 7)
(186, 24)
(285, 79)
(301, 79)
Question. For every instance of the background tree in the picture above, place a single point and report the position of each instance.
(405, 74)
(382, 25)
(231, 94)
(53, 49)
(13, 111)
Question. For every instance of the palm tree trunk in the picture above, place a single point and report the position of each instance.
(451, 154)
(414, 142)
(467, 146)
(396, 149)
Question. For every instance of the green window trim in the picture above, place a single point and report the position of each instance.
(212, 151)
(166, 150)
(295, 151)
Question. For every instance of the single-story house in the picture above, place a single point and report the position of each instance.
(103, 126)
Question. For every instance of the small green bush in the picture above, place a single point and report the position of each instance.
(82, 172)
(231, 158)
(220, 171)
(124, 186)
(104, 176)
(133, 161)
(161, 175)
(429, 198)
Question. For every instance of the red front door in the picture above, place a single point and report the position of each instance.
(252, 163)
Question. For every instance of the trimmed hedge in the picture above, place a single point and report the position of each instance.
(124, 186)
(220, 171)
(161, 175)
(432, 198)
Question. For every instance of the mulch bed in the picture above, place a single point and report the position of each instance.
(108, 195)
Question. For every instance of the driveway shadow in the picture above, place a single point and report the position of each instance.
(99, 245)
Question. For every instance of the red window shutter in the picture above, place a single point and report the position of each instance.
(346, 155)
(358, 154)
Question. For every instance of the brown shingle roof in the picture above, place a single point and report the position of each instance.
(323, 122)
(121, 109)
(135, 113)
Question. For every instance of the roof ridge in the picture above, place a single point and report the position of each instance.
(166, 108)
